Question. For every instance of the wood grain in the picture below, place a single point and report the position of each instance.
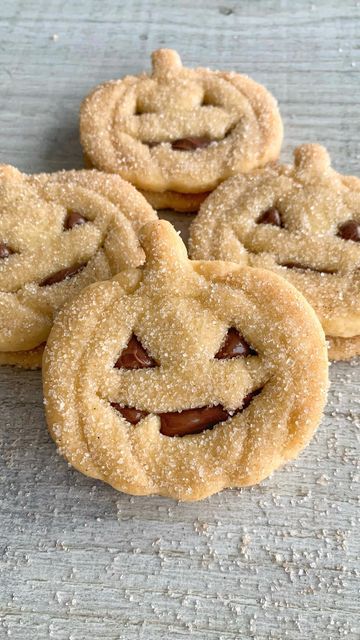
(78, 560)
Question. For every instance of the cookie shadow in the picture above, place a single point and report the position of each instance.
(181, 222)
(63, 149)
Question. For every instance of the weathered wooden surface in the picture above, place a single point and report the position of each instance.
(78, 560)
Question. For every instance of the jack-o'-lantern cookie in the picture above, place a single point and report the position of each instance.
(179, 132)
(181, 378)
(302, 222)
(58, 233)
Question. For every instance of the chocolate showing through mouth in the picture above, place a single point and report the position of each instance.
(131, 415)
(186, 144)
(61, 275)
(189, 421)
(191, 143)
(297, 265)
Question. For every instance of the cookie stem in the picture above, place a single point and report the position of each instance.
(311, 158)
(164, 61)
(166, 256)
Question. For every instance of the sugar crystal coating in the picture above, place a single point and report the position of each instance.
(179, 130)
(301, 222)
(107, 420)
(59, 232)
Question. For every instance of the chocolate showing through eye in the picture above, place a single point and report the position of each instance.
(190, 144)
(271, 216)
(134, 356)
(189, 421)
(234, 345)
(5, 251)
(74, 219)
(61, 275)
(350, 230)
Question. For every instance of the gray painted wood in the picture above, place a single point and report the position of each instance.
(78, 560)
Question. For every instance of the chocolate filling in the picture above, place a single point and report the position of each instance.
(131, 415)
(189, 421)
(183, 423)
(61, 275)
(134, 356)
(5, 251)
(185, 144)
(191, 143)
(235, 345)
(270, 216)
(350, 230)
(74, 219)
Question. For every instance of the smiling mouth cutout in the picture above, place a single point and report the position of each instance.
(188, 421)
(63, 274)
(302, 267)
(191, 143)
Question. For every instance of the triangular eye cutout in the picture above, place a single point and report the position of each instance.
(234, 346)
(350, 230)
(134, 356)
(74, 219)
(271, 216)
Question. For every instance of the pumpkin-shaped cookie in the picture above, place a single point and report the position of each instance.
(179, 132)
(182, 378)
(58, 233)
(302, 222)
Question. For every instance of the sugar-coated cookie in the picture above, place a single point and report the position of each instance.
(30, 359)
(302, 222)
(179, 131)
(181, 378)
(182, 202)
(343, 348)
(58, 233)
